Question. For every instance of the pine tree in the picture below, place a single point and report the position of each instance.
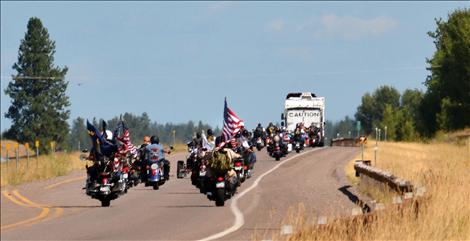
(39, 103)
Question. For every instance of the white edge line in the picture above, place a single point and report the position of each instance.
(239, 219)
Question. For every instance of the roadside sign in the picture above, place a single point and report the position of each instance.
(26, 145)
(358, 125)
(7, 146)
(17, 145)
(36, 144)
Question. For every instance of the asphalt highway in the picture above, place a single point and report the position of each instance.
(58, 209)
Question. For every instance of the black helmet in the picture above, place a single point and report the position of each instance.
(198, 134)
(210, 132)
(245, 133)
(259, 124)
(154, 140)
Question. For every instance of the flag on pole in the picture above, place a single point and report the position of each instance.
(232, 123)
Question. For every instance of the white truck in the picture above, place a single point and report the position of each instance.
(306, 108)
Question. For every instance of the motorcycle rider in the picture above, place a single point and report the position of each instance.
(221, 163)
(141, 158)
(270, 129)
(103, 148)
(155, 145)
(198, 140)
(299, 134)
(258, 131)
(208, 142)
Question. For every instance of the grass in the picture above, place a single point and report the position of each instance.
(45, 167)
(441, 166)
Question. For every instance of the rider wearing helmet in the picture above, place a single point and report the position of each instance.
(258, 131)
(156, 146)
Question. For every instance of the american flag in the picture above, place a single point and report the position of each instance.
(232, 123)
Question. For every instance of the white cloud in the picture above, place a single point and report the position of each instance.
(276, 25)
(350, 27)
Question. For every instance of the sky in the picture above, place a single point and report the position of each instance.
(178, 60)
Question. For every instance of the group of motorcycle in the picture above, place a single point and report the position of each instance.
(218, 183)
(217, 168)
(117, 165)
(279, 141)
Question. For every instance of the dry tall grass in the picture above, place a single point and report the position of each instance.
(444, 213)
(46, 166)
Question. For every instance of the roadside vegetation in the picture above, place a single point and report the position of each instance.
(44, 167)
(442, 167)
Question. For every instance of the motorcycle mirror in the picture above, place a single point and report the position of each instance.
(85, 150)
(171, 148)
(282, 116)
(282, 123)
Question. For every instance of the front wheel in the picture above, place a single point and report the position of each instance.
(155, 186)
(297, 150)
(220, 197)
(105, 202)
(277, 158)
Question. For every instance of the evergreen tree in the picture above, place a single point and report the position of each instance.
(79, 138)
(446, 104)
(39, 103)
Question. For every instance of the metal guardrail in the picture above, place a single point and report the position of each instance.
(364, 168)
(352, 142)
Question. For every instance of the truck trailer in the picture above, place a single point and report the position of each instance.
(305, 108)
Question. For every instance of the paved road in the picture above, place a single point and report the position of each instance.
(59, 210)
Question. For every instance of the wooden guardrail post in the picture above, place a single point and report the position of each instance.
(7, 147)
(17, 149)
(36, 144)
(26, 146)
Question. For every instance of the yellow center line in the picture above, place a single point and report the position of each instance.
(42, 215)
(13, 199)
(25, 202)
(64, 182)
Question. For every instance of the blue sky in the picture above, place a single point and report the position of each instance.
(178, 60)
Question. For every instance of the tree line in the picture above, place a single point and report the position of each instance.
(139, 126)
(40, 106)
(444, 106)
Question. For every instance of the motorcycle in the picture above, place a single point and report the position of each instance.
(276, 152)
(259, 143)
(223, 187)
(109, 185)
(155, 174)
(240, 168)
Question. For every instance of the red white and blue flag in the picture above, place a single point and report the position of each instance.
(232, 123)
